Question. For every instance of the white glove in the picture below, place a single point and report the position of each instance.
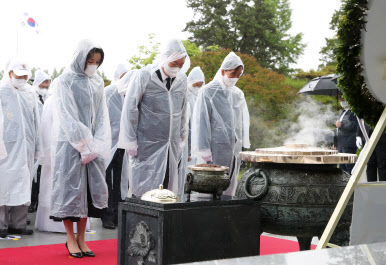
(207, 158)
(359, 142)
(87, 157)
(132, 152)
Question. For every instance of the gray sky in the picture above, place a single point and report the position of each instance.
(120, 26)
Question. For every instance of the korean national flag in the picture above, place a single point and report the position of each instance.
(30, 23)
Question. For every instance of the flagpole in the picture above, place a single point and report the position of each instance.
(17, 39)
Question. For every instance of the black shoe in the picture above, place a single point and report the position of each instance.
(23, 231)
(75, 255)
(28, 221)
(108, 224)
(3, 233)
(87, 253)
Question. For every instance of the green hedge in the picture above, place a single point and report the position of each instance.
(348, 53)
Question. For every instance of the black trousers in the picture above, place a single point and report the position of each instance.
(166, 179)
(113, 180)
(377, 162)
(35, 190)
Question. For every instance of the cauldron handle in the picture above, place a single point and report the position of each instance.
(190, 178)
(263, 191)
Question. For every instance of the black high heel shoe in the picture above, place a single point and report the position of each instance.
(87, 253)
(75, 255)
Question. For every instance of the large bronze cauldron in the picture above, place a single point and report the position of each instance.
(297, 199)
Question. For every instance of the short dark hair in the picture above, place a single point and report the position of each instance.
(92, 52)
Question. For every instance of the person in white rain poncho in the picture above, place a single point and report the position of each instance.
(81, 144)
(196, 80)
(121, 70)
(220, 123)
(43, 222)
(154, 123)
(41, 85)
(19, 125)
(117, 183)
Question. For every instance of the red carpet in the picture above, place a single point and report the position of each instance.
(106, 252)
(272, 245)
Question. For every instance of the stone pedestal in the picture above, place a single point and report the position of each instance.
(202, 229)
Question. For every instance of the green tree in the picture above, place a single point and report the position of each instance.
(1, 74)
(214, 48)
(146, 54)
(191, 48)
(311, 74)
(254, 27)
(328, 50)
(55, 73)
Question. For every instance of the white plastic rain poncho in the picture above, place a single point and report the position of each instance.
(114, 98)
(121, 69)
(40, 77)
(81, 126)
(19, 144)
(195, 76)
(154, 123)
(42, 221)
(220, 123)
(45, 159)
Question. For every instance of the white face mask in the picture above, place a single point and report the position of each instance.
(194, 89)
(230, 82)
(42, 91)
(344, 104)
(91, 69)
(171, 71)
(18, 83)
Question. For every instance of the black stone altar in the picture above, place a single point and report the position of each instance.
(202, 229)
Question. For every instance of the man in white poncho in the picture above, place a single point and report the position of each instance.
(19, 125)
(117, 182)
(154, 124)
(220, 123)
(41, 85)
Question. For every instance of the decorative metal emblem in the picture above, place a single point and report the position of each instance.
(142, 244)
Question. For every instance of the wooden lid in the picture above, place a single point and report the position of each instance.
(207, 168)
(298, 154)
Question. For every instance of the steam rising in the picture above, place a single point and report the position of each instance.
(315, 125)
